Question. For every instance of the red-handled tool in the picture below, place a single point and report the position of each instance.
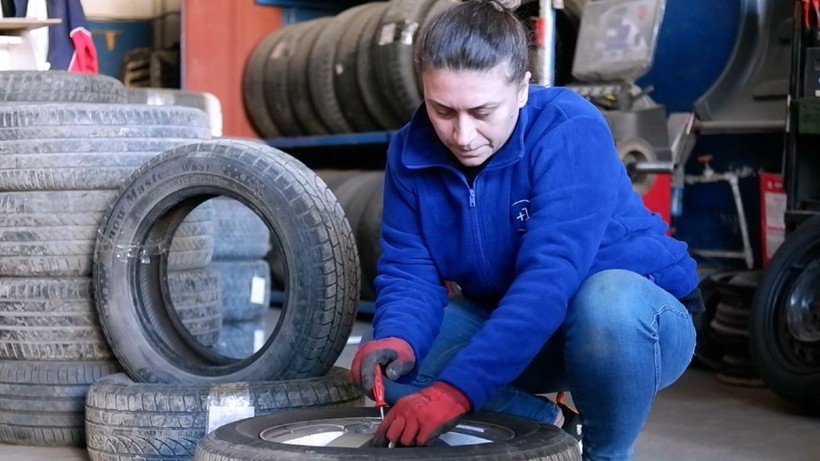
(378, 390)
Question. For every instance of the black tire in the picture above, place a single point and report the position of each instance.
(196, 297)
(366, 62)
(354, 196)
(308, 223)
(239, 234)
(241, 441)
(239, 339)
(277, 80)
(253, 86)
(41, 403)
(59, 86)
(136, 421)
(322, 72)
(784, 330)
(393, 55)
(368, 236)
(303, 106)
(346, 82)
(245, 288)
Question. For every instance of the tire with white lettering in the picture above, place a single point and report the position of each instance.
(320, 258)
(344, 434)
(126, 420)
(59, 85)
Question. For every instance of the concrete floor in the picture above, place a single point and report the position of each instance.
(696, 419)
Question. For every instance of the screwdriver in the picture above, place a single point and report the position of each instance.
(378, 390)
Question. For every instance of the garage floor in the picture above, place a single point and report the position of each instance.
(697, 419)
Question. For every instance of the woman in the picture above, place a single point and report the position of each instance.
(515, 193)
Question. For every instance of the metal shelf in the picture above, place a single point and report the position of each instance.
(331, 140)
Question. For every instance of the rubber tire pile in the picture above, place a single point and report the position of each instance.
(352, 72)
(71, 146)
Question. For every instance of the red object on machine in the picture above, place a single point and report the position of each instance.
(659, 197)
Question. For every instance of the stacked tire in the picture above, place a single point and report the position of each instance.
(352, 72)
(62, 165)
(176, 389)
(241, 242)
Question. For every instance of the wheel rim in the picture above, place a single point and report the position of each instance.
(798, 319)
(356, 432)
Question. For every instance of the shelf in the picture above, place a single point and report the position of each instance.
(331, 140)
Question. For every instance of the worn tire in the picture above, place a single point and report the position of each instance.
(346, 83)
(393, 55)
(241, 441)
(320, 255)
(303, 106)
(239, 234)
(41, 403)
(366, 64)
(278, 97)
(161, 422)
(59, 86)
(245, 288)
(253, 86)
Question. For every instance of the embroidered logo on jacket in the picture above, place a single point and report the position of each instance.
(520, 214)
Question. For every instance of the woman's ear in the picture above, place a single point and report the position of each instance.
(524, 89)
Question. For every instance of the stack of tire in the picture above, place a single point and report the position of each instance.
(241, 242)
(352, 72)
(67, 141)
(360, 193)
(176, 389)
(723, 344)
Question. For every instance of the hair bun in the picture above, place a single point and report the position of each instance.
(509, 4)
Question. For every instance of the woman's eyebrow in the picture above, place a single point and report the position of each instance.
(486, 105)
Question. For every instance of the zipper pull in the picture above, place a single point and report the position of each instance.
(472, 198)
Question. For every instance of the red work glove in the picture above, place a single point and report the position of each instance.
(418, 418)
(394, 354)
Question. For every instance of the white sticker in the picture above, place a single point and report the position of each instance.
(219, 416)
(387, 35)
(258, 288)
(258, 339)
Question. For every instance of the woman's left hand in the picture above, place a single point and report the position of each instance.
(420, 417)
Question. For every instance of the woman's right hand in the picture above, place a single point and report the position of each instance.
(394, 354)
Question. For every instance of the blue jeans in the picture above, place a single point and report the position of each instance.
(623, 340)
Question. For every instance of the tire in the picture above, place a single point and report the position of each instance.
(277, 80)
(41, 403)
(345, 81)
(253, 86)
(204, 101)
(322, 71)
(393, 55)
(59, 86)
(137, 421)
(94, 121)
(366, 62)
(303, 106)
(242, 441)
(245, 288)
(784, 332)
(239, 234)
(320, 255)
(240, 339)
(368, 236)
(196, 297)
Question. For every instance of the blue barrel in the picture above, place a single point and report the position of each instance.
(695, 42)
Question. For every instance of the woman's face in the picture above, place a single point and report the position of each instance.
(473, 113)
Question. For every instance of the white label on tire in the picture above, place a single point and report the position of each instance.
(388, 34)
(228, 403)
(258, 339)
(258, 287)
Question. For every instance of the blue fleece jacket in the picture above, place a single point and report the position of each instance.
(552, 207)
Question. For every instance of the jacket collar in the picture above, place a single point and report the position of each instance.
(423, 148)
